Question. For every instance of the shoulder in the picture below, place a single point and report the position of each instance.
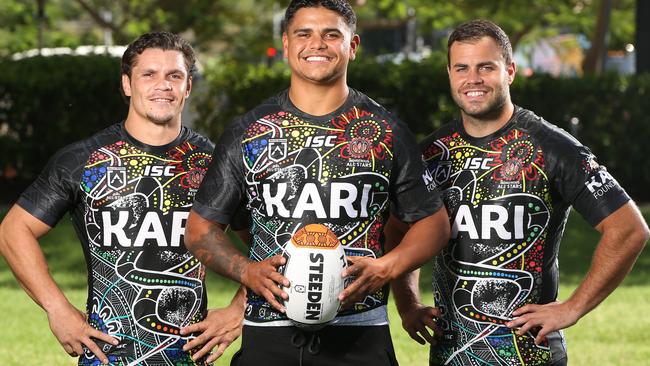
(362, 100)
(198, 140)
(268, 107)
(437, 141)
(546, 133)
(77, 153)
(446, 130)
(563, 154)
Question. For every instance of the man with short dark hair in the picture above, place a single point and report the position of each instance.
(128, 190)
(318, 153)
(508, 179)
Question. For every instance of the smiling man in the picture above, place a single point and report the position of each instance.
(128, 189)
(318, 153)
(508, 179)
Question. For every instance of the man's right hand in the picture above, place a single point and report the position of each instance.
(263, 278)
(417, 320)
(70, 328)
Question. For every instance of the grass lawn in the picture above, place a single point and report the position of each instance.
(613, 334)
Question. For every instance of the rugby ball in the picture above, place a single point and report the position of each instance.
(315, 259)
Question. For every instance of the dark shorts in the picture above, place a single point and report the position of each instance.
(333, 345)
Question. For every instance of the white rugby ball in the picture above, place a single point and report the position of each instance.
(315, 260)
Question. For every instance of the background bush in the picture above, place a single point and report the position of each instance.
(49, 102)
(46, 103)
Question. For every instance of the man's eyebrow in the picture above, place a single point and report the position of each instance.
(327, 30)
(302, 30)
(174, 71)
(486, 63)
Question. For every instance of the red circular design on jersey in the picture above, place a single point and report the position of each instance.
(360, 147)
(511, 169)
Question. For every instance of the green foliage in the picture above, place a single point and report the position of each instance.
(611, 109)
(523, 20)
(49, 102)
(212, 26)
(19, 31)
(230, 89)
(243, 29)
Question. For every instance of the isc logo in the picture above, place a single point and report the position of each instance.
(158, 171)
(477, 163)
(320, 141)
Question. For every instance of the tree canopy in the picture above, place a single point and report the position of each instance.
(243, 29)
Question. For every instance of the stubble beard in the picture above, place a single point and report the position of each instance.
(160, 120)
(490, 112)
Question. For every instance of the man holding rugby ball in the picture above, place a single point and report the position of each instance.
(317, 153)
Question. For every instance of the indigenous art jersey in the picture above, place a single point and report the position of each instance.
(129, 203)
(508, 196)
(341, 170)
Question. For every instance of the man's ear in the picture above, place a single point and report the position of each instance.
(126, 85)
(285, 45)
(512, 72)
(354, 46)
(189, 86)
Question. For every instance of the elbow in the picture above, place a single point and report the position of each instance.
(643, 235)
(638, 236)
(4, 237)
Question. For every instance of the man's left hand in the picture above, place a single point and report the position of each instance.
(371, 274)
(546, 318)
(219, 329)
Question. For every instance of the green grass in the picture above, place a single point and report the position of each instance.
(615, 333)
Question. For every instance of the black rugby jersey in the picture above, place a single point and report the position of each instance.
(290, 169)
(129, 203)
(508, 196)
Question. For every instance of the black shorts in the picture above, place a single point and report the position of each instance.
(333, 345)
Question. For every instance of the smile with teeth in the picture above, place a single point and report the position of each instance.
(161, 100)
(317, 58)
(475, 93)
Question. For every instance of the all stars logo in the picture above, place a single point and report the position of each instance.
(116, 176)
(277, 149)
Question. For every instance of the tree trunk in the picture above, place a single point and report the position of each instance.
(595, 60)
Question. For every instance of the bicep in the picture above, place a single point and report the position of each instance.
(626, 220)
(198, 226)
(18, 221)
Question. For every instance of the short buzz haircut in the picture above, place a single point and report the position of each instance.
(342, 7)
(474, 30)
(165, 41)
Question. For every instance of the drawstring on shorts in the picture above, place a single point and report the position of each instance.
(309, 340)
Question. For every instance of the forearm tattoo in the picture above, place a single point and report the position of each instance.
(215, 250)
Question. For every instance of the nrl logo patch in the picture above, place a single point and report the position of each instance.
(116, 177)
(277, 149)
(511, 169)
(360, 147)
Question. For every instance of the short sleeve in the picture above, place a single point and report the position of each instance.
(222, 191)
(588, 186)
(411, 200)
(55, 190)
